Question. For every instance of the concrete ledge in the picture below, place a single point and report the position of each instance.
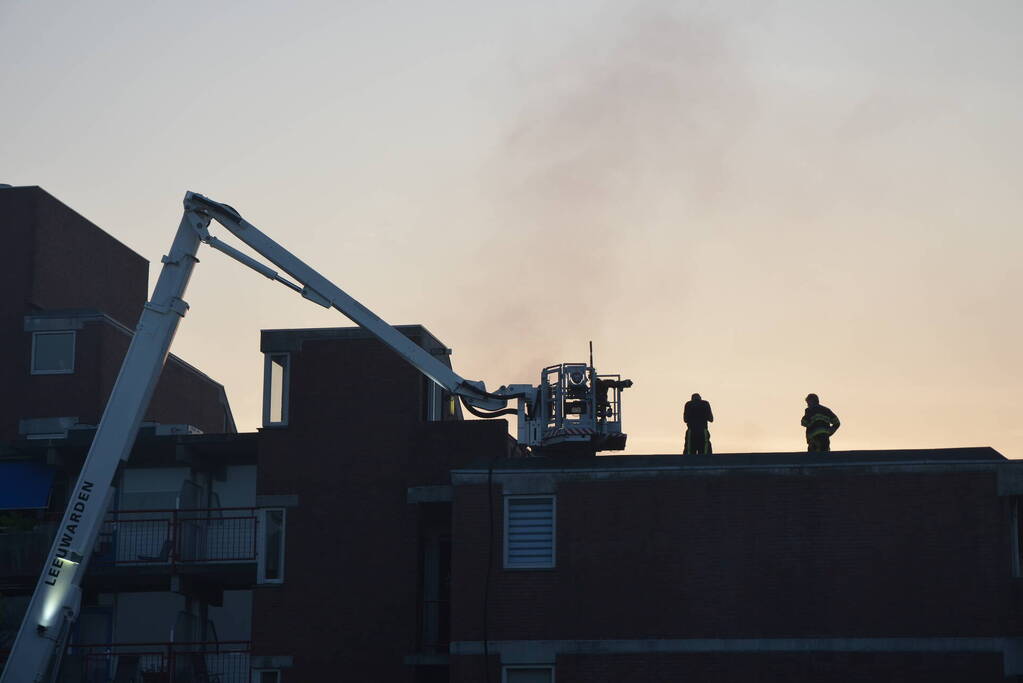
(546, 651)
(507, 477)
(430, 494)
(427, 660)
(530, 483)
(531, 650)
(34, 426)
(286, 500)
(271, 661)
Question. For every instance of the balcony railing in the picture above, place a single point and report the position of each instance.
(154, 537)
(143, 537)
(224, 662)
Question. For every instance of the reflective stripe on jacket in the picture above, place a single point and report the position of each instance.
(819, 420)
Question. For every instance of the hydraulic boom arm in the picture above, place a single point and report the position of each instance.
(54, 606)
(572, 407)
(322, 291)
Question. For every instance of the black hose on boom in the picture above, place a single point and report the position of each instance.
(484, 414)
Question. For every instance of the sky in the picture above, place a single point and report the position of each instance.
(749, 200)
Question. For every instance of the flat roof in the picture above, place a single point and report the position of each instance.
(292, 339)
(614, 466)
(149, 449)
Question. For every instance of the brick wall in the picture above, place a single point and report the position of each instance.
(16, 219)
(78, 265)
(746, 556)
(833, 554)
(79, 394)
(57, 261)
(182, 396)
(819, 667)
(354, 445)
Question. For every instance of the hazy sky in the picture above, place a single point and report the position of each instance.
(752, 200)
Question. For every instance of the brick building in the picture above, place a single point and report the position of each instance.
(72, 296)
(365, 575)
(367, 532)
(896, 565)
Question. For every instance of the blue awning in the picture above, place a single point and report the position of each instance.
(24, 485)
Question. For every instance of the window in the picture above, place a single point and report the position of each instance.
(529, 532)
(527, 674)
(276, 377)
(435, 587)
(53, 353)
(271, 546)
(266, 676)
(431, 400)
(1016, 535)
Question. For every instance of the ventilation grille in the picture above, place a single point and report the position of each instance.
(529, 532)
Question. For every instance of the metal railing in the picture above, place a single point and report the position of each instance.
(154, 537)
(206, 662)
(144, 537)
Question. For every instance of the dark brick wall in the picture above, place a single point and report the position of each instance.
(77, 265)
(819, 667)
(78, 394)
(185, 397)
(354, 445)
(471, 669)
(779, 667)
(747, 556)
(181, 396)
(58, 260)
(16, 217)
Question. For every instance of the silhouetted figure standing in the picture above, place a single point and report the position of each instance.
(696, 415)
(820, 424)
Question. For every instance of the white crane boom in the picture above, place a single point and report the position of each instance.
(322, 291)
(571, 406)
(44, 631)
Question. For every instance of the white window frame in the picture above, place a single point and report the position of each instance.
(74, 348)
(268, 388)
(261, 577)
(257, 678)
(554, 531)
(1014, 539)
(434, 408)
(51, 435)
(513, 667)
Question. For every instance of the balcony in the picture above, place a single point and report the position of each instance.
(225, 662)
(144, 547)
(171, 537)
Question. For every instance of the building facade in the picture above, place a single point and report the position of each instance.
(175, 558)
(368, 532)
(72, 296)
(898, 565)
